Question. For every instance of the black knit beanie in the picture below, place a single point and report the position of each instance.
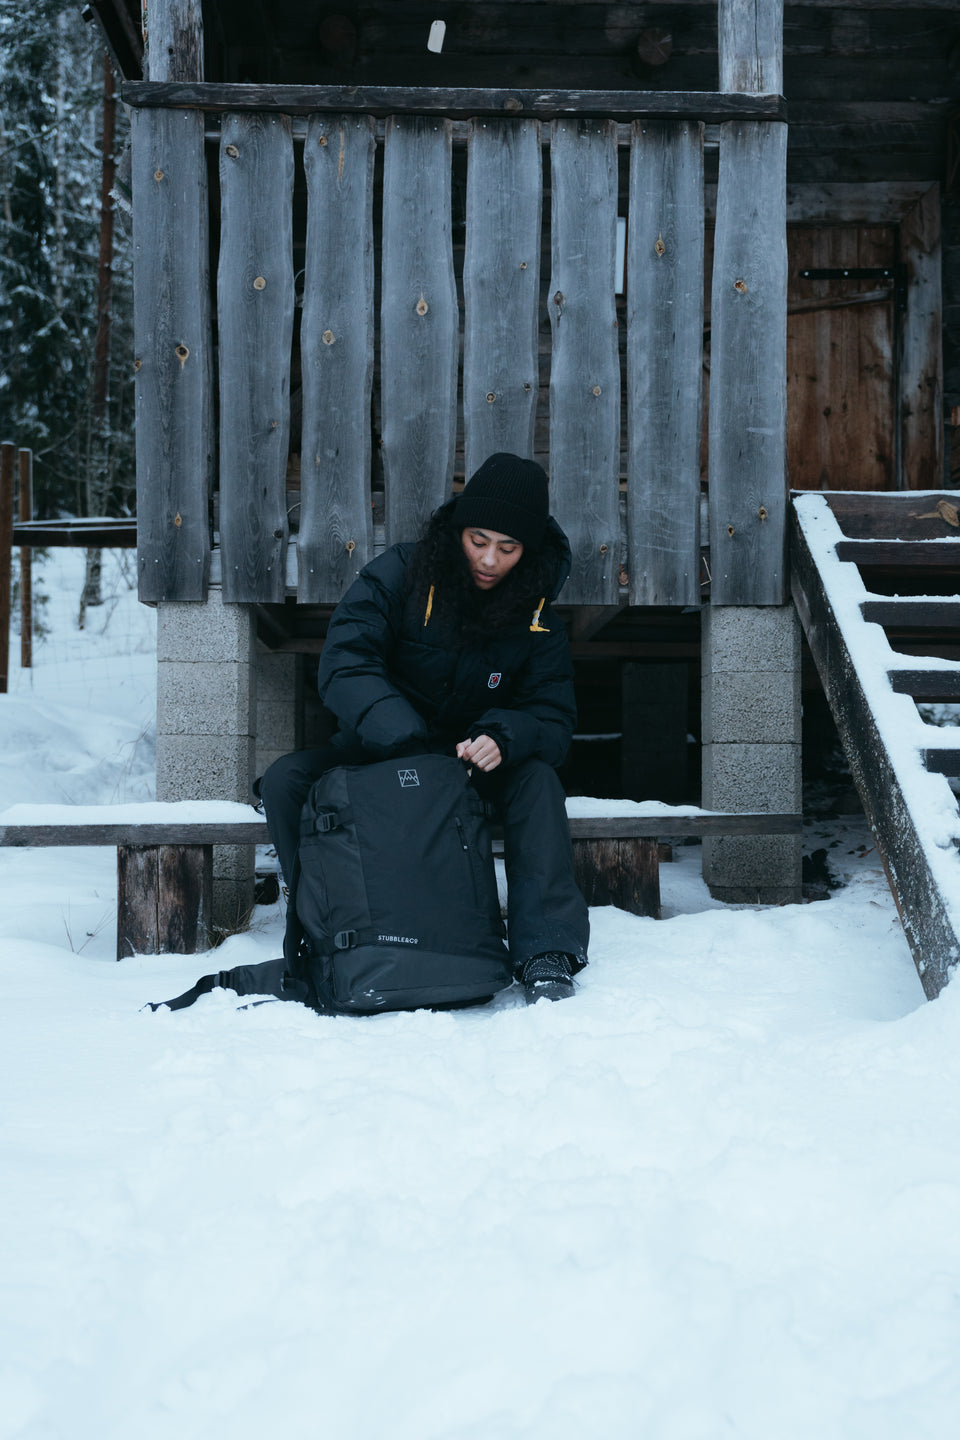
(507, 494)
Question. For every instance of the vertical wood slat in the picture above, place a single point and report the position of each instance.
(920, 371)
(419, 324)
(255, 324)
(174, 413)
(748, 360)
(748, 323)
(585, 372)
(501, 285)
(336, 346)
(664, 362)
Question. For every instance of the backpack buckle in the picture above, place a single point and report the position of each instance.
(344, 939)
(324, 822)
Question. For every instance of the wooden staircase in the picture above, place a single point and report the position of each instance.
(876, 581)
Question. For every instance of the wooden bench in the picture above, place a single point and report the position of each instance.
(165, 868)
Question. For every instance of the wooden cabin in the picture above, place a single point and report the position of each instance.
(688, 255)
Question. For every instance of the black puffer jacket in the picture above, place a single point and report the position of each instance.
(396, 683)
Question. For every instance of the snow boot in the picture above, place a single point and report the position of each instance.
(547, 977)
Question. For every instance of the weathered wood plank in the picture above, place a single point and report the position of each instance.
(457, 102)
(164, 899)
(501, 285)
(105, 533)
(931, 685)
(419, 325)
(902, 554)
(920, 374)
(750, 34)
(913, 614)
(174, 410)
(891, 516)
(336, 349)
(664, 362)
(748, 370)
(255, 323)
(585, 373)
(625, 873)
(174, 40)
(252, 832)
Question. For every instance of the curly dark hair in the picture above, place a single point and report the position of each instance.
(439, 561)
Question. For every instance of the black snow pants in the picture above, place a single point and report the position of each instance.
(545, 909)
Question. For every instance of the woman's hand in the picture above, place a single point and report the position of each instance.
(482, 752)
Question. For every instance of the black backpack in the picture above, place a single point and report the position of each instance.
(394, 900)
(396, 893)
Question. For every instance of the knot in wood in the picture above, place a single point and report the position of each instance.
(604, 549)
(740, 286)
(660, 248)
(233, 152)
(730, 531)
(182, 353)
(422, 306)
(137, 364)
(350, 546)
(527, 386)
(259, 283)
(158, 176)
(278, 534)
(328, 337)
(177, 520)
(762, 512)
(558, 300)
(512, 104)
(323, 140)
(491, 397)
(523, 264)
(597, 390)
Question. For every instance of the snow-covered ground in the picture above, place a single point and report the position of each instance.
(714, 1195)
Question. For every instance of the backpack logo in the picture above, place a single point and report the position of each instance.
(408, 778)
(494, 680)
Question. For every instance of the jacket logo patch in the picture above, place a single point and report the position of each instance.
(408, 778)
(494, 680)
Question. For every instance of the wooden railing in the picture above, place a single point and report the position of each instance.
(385, 221)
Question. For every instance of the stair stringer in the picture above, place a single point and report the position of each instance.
(912, 812)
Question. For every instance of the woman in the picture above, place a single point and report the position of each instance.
(448, 644)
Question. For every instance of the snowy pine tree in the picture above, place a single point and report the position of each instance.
(51, 97)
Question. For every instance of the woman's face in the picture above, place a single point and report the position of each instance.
(490, 555)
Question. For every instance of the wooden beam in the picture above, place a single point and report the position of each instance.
(105, 534)
(458, 102)
(886, 515)
(902, 554)
(172, 339)
(748, 497)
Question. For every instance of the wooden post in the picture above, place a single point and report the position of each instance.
(336, 355)
(748, 495)
(25, 512)
(625, 873)
(7, 453)
(920, 368)
(419, 324)
(172, 320)
(501, 289)
(164, 899)
(664, 361)
(585, 372)
(255, 328)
